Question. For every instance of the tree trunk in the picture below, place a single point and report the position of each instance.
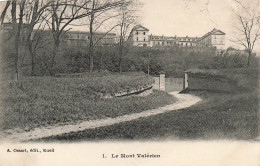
(54, 53)
(16, 53)
(120, 53)
(32, 56)
(120, 59)
(248, 59)
(91, 58)
(4, 12)
(16, 28)
(101, 62)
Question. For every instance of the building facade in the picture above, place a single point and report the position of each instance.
(161, 41)
(172, 41)
(83, 38)
(187, 41)
(139, 36)
(214, 38)
(73, 38)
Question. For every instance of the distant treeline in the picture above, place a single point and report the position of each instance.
(172, 60)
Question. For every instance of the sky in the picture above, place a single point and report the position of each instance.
(190, 17)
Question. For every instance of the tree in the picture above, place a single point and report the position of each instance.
(63, 13)
(4, 11)
(96, 19)
(127, 18)
(248, 29)
(34, 16)
(17, 30)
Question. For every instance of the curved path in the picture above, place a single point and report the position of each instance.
(183, 101)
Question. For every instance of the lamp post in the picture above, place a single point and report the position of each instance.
(148, 66)
(149, 57)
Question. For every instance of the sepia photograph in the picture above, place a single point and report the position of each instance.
(104, 75)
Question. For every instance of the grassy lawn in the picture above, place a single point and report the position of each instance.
(218, 116)
(41, 101)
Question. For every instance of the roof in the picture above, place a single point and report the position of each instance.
(136, 27)
(140, 26)
(214, 31)
(152, 37)
(159, 38)
(84, 32)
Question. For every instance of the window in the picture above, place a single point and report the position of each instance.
(137, 39)
(144, 33)
(144, 39)
(137, 32)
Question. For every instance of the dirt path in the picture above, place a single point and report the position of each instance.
(184, 101)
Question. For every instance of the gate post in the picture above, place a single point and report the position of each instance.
(162, 81)
(185, 82)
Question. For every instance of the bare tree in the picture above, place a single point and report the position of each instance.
(249, 34)
(96, 20)
(248, 29)
(17, 30)
(4, 11)
(36, 10)
(91, 20)
(127, 19)
(66, 11)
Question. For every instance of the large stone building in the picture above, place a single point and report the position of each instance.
(83, 38)
(161, 41)
(139, 37)
(187, 41)
(73, 38)
(172, 41)
(214, 38)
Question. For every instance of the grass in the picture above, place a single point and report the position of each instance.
(232, 116)
(42, 101)
(220, 116)
(245, 77)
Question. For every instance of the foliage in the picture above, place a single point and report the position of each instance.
(245, 77)
(36, 101)
(232, 116)
(220, 116)
(173, 60)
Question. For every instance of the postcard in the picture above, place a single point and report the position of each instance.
(129, 82)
